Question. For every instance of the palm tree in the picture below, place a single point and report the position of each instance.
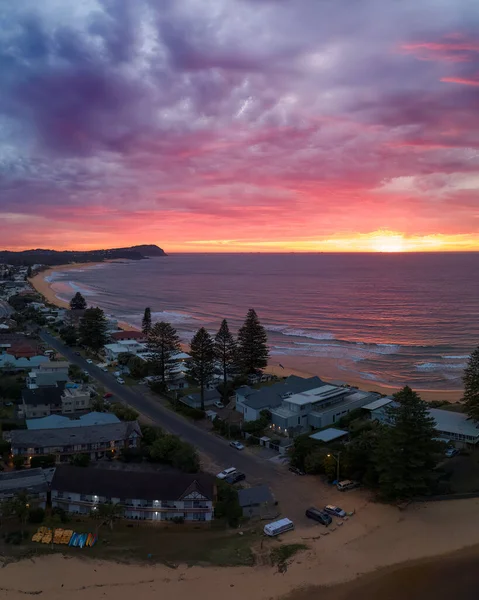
(109, 513)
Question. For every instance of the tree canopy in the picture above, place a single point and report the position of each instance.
(471, 385)
(253, 350)
(163, 344)
(407, 452)
(146, 322)
(93, 329)
(225, 352)
(201, 367)
(78, 302)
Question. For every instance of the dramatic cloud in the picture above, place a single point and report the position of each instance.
(240, 124)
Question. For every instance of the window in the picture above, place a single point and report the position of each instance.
(299, 420)
(60, 495)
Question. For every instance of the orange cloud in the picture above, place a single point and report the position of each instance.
(460, 80)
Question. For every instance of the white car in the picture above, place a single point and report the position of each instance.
(89, 361)
(334, 511)
(219, 404)
(120, 380)
(237, 445)
(226, 472)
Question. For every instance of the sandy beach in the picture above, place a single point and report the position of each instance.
(377, 536)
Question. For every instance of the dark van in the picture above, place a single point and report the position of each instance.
(319, 516)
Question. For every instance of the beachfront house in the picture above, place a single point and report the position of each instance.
(250, 402)
(73, 316)
(143, 495)
(113, 351)
(317, 408)
(257, 501)
(451, 427)
(126, 335)
(63, 443)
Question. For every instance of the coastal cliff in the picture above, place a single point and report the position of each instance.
(55, 257)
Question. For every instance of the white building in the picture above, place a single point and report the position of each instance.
(113, 351)
(450, 426)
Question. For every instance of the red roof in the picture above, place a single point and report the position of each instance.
(22, 350)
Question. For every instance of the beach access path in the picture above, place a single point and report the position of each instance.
(293, 493)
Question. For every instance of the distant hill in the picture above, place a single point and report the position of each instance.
(54, 257)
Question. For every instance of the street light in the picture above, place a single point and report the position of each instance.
(337, 463)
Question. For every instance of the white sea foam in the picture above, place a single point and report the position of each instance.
(440, 367)
(306, 333)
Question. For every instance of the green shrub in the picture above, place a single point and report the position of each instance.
(36, 515)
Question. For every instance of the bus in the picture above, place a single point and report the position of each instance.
(278, 527)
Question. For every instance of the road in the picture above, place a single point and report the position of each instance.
(293, 493)
(217, 448)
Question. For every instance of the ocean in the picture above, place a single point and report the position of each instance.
(387, 319)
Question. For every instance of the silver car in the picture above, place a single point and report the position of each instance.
(334, 511)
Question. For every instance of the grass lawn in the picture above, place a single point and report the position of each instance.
(130, 542)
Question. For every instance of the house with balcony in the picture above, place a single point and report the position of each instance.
(148, 496)
(95, 440)
(113, 351)
(250, 402)
(38, 378)
(75, 399)
(317, 408)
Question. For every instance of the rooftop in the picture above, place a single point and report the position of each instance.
(123, 484)
(273, 395)
(317, 394)
(61, 422)
(328, 435)
(259, 494)
(33, 480)
(132, 335)
(379, 403)
(91, 434)
(452, 422)
(43, 395)
(59, 365)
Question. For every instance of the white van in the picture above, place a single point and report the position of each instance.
(226, 472)
(278, 527)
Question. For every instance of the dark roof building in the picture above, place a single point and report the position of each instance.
(32, 481)
(210, 397)
(128, 335)
(122, 484)
(45, 395)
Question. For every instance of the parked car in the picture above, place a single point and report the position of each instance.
(120, 380)
(226, 472)
(450, 452)
(107, 395)
(78, 353)
(334, 511)
(235, 477)
(89, 361)
(296, 471)
(104, 369)
(237, 445)
(347, 484)
(219, 404)
(319, 516)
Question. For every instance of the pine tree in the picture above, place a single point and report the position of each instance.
(253, 350)
(201, 367)
(93, 327)
(471, 385)
(29, 272)
(146, 323)
(407, 452)
(78, 302)
(163, 344)
(225, 352)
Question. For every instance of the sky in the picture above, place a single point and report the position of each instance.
(240, 125)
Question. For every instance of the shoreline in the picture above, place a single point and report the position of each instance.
(378, 542)
(45, 289)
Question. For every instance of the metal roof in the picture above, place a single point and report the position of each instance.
(328, 435)
(378, 403)
(453, 422)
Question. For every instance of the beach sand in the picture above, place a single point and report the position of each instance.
(301, 366)
(375, 537)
